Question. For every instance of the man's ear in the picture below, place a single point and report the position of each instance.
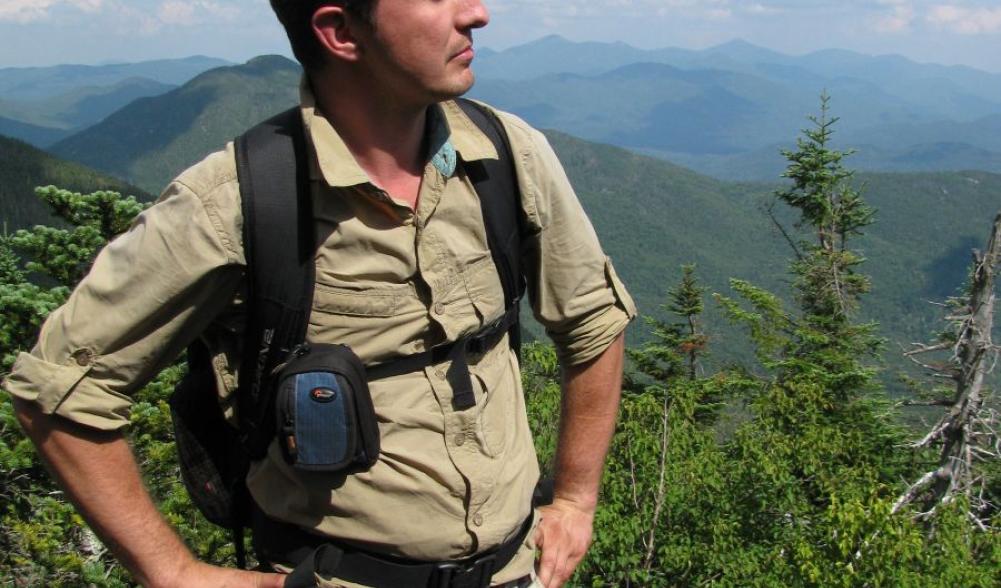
(336, 31)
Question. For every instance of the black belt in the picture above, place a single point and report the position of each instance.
(458, 372)
(310, 554)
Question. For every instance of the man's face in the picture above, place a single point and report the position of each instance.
(421, 50)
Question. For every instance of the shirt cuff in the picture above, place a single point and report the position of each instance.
(593, 333)
(65, 390)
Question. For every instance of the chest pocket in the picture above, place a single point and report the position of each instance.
(382, 302)
(377, 323)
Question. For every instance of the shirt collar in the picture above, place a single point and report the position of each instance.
(468, 139)
(333, 162)
(451, 134)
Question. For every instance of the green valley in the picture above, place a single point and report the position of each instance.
(23, 168)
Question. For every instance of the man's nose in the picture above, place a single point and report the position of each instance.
(474, 14)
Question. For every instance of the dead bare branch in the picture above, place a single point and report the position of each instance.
(967, 433)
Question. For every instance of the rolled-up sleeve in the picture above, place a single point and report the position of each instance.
(574, 290)
(148, 294)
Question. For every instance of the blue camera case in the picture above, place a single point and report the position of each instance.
(326, 421)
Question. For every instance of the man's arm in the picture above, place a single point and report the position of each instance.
(587, 420)
(99, 474)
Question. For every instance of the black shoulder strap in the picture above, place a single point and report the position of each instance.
(279, 247)
(496, 184)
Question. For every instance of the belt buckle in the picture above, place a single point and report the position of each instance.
(475, 574)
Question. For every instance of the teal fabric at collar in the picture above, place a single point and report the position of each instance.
(439, 135)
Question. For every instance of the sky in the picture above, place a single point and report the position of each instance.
(966, 32)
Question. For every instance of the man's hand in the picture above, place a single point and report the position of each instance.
(563, 536)
(199, 575)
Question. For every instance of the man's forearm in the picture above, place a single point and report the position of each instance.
(590, 405)
(99, 474)
(591, 393)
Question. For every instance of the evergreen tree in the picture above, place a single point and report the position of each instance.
(821, 435)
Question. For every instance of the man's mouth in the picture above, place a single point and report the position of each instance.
(467, 53)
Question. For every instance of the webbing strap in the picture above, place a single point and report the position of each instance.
(496, 184)
(279, 247)
(312, 554)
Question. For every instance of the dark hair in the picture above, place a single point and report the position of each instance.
(297, 18)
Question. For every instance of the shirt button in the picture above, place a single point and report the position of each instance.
(82, 357)
(440, 373)
(439, 308)
(478, 519)
(460, 439)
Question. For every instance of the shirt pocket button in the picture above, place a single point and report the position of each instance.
(82, 357)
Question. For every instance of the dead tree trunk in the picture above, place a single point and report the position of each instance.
(968, 432)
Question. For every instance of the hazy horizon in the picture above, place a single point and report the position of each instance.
(93, 32)
(288, 54)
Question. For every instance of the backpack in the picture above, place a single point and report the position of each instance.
(271, 164)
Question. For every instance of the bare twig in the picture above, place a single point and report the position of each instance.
(785, 234)
(659, 499)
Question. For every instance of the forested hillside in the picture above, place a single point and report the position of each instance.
(653, 217)
(149, 141)
(23, 167)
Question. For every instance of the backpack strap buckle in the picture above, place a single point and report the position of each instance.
(474, 574)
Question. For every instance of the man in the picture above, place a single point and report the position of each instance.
(402, 266)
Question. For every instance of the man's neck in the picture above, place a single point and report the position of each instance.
(385, 138)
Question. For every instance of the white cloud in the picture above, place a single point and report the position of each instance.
(194, 12)
(176, 13)
(758, 8)
(898, 19)
(966, 20)
(554, 12)
(24, 11)
(144, 16)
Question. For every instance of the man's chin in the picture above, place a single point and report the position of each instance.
(457, 88)
(446, 96)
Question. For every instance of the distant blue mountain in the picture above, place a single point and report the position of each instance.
(32, 83)
(29, 133)
(724, 110)
(41, 105)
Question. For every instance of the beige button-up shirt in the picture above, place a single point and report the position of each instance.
(390, 281)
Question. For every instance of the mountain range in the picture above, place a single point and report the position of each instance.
(42, 105)
(728, 110)
(652, 215)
